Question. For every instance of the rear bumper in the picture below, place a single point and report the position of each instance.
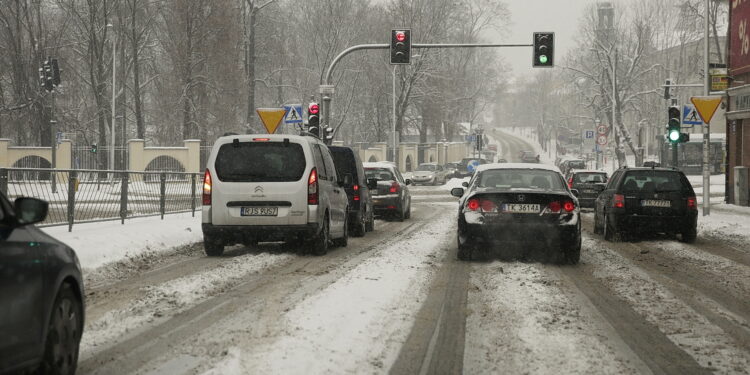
(386, 203)
(643, 224)
(587, 202)
(241, 233)
(550, 234)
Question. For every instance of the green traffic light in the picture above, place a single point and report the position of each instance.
(543, 59)
(674, 135)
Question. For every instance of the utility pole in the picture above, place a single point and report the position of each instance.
(393, 126)
(706, 126)
(114, 95)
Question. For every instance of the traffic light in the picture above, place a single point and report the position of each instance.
(93, 148)
(45, 76)
(400, 46)
(544, 48)
(313, 118)
(673, 126)
(479, 142)
(55, 72)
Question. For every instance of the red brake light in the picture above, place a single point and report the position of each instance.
(570, 182)
(554, 206)
(395, 187)
(569, 206)
(692, 204)
(473, 204)
(356, 192)
(261, 139)
(488, 205)
(207, 188)
(618, 201)
(312, 187)
(355, 187)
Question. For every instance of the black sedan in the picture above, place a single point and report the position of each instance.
(391, 197)
(41, 294)
(518, 204)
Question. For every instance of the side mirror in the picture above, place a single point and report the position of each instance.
(408, 181)
(348, 179)
(457, 192)
(575, 192)
(30, 210)
(372, 183)
(464, 184)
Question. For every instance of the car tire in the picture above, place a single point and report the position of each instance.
(319, 244)
(401, 215)
(343, 241)
(610, 233)
(213, 247)
(597, 224)
(370, 224)
(689, 236)
(465, 251)
(572, 255)
(360, 226)
(407, 215)
(63, 339)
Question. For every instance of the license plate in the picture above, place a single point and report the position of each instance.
(374, 192)
(655, 203)
(589, 191)
(259, 211)
(518, 208)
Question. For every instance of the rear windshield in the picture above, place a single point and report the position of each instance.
(520, 179)
(578, 164)
(380, 174)
(426, 167)
(344, 161)
(654, 181)
(260, 162)
(590, 178)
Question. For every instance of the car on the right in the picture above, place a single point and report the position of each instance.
(639, 201)
(589, 184)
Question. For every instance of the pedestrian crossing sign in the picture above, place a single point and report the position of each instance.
(690, 116)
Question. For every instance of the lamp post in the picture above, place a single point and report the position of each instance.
(114, 93)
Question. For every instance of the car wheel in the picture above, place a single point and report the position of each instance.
(343, 241)
(360, 226)
(401, 215)
(689, 235)
(597, 224)
(63, 334)
(319, 245)
(572, 255)
(370, 224)
(408, 211)
(465, 251)
(610, 233)
(213, 247)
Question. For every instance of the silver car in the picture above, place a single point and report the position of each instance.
(429, 174)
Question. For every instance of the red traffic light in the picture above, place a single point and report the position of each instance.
(400, 36)
(313, 109)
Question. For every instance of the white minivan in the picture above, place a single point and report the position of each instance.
(273, 187)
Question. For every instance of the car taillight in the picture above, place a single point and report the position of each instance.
(692, 204)
(483, 205)
(207, 188)
(395, 187)
(618, 201)
(554, 206)
(488, 206)
(569, 206)
(312, 187)
(356, 192)
(473, 204)
(570, 182)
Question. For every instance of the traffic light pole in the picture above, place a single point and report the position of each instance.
(706, 126)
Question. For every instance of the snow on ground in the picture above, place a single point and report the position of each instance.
(546, 157)
(521, 322)
(365, 334)
(727, 223)
(99, 243)
(158, 302)
(454, 183)
(706, 343)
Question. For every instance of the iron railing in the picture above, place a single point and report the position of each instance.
(89, 195)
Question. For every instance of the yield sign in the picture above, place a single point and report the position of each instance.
(706, 106)
(271, 118)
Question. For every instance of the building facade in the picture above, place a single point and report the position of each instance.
(738, 111)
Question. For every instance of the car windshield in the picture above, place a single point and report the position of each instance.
(535, 179)
(576, 164)
(426, 167)
(380, 174)
(589, 178)
(654, 181)
(260, 162)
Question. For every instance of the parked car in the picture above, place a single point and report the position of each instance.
(361, 213)
(41, 294)
(529, 157)
(568, 165)
(646, 200)
(463, 166)
(514, 203)
(273, 187)
(501, 160)
(588, 183)
(451, 169)
(429, 174)
(391, 198)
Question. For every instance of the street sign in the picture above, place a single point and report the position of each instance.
(293, 114)
(601, 129)
(470, 138)
(601, 140)
(472, 166)
(588, 138)
(706, 106)
(690, 116)
(271, 118)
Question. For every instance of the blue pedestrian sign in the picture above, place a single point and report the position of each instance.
(472, 166)
(470, 138)
(293, 114)
(690, 116)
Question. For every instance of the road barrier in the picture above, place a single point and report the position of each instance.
(86, 195)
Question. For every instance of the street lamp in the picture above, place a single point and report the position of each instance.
(114, 71)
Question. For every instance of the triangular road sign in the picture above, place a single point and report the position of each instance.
(706, 106)
(293, 114)
(271, 118)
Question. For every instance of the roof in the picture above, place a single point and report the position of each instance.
(484, 167)
(587, 171)
(272, 137)
(379, 164)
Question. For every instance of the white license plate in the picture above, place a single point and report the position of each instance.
(655, 203)
(374, 192)
(519, 208)
(589, 191)
(259, 211)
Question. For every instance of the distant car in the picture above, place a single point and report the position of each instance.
(529, 157)
(429, 174)
(651, 164)
(588, 184)
(463, 166)
(515, 203)
(361, 211)
(41, 294)
(646, 200)
(391, 197)
(273, 187)
(451, 169)
(501, 160)
(568, 165)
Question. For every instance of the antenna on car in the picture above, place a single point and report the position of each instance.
(235, 142)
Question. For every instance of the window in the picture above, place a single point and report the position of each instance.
(653, 181)
(613, 181)
(590, 178)
(520, 179)
(319, 162)
(330, 165)
(426, 167)
(260, 162)
(380, 174)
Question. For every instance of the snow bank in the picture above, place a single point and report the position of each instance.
(454, 183)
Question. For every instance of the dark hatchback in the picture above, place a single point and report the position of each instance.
(41, 294)
(638, 201)
(589, 184)
(361, 212)
(505, 206)
(391, 197)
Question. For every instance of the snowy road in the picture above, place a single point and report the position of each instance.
(398, 301)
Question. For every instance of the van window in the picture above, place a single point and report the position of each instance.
(330, 167)
(322, 174)
(345, 162)
(260, 162)
(651, 181)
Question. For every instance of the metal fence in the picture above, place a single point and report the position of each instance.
(89, 195)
